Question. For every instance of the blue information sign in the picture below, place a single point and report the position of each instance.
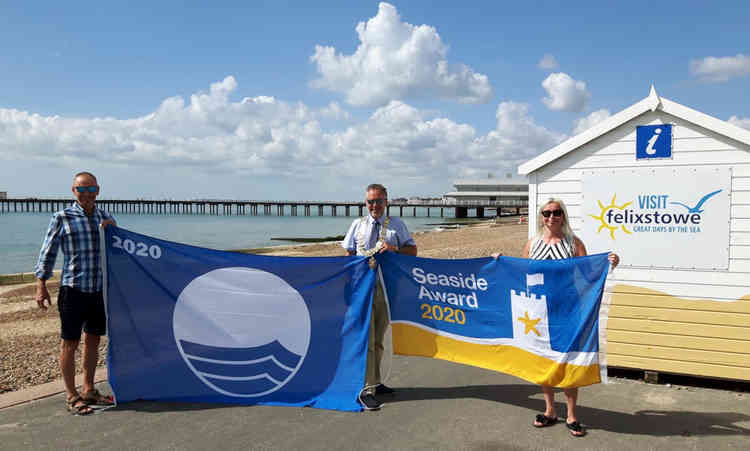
(653, 141)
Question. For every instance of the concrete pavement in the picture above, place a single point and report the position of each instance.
(44, 390)
(439, 405)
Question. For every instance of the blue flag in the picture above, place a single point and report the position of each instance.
(200, 325)
(535, 319)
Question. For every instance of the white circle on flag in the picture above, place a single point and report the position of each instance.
(243, 332)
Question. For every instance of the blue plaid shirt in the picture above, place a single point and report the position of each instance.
(78, 235)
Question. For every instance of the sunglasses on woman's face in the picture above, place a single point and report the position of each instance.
(548, 213)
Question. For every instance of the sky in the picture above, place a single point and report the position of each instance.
(314, 100)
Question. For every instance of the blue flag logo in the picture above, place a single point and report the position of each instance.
(250, 341)
(200, 325)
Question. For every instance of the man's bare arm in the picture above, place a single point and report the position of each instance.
(42, 294)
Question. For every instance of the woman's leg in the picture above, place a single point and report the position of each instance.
(550, 415)
(571, 396)
(549, 401)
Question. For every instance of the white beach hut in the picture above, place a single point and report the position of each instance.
(668, 189)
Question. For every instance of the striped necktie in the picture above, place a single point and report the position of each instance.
(374, 234)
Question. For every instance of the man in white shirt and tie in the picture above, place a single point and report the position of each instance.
(372, 234)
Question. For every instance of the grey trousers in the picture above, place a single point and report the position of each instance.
(378, 326)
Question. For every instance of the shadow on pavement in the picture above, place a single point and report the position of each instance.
(169, 406)
(666, 422)
(657, 423)
(642, 422)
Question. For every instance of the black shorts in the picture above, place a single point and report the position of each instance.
(80, 310)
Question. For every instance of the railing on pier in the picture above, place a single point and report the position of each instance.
(266, 207)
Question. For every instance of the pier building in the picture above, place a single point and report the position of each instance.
(500, 194)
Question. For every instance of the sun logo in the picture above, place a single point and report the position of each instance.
(604, 210)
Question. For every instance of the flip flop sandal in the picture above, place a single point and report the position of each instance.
(95, 398)
(542, 421)
(576, 430)
(77, 406)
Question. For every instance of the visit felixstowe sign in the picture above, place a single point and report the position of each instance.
(659, 217)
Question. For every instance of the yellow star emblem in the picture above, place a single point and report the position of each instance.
(530, 324)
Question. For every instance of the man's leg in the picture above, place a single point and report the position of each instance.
(67, 366)
(372, 373)
(71, 323)
(378, 323)
(90, 359)
(95, 328)
(379, 326)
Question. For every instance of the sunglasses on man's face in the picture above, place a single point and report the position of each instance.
(375, 201)
(548, 213)
(87, 189)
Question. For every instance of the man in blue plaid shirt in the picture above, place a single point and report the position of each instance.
(80, 301)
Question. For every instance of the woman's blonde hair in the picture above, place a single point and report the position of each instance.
(566, 230)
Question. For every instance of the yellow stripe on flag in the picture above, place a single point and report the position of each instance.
(410, 340)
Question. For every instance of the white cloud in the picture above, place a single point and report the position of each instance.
(398, 139)
(260, 134)
(548, 61)
(713, 69)
(334, 111)
(585, 123)
(518, 135)
(564, 93)
(743, 122)
(264, 136)
(395, 61)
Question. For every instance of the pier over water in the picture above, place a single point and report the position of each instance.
(269, 207)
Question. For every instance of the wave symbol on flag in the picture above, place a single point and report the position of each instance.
(242, 371)
(243, 332)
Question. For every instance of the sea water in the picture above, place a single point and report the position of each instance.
(21, 234)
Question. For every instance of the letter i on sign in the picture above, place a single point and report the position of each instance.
(651, 141)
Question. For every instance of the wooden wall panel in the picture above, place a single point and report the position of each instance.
(679, 367)
(680, 354)
(678, 341)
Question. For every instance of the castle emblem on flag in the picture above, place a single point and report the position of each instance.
(530, 324)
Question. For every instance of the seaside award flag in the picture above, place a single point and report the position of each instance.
(201, 325)
(534, 319)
